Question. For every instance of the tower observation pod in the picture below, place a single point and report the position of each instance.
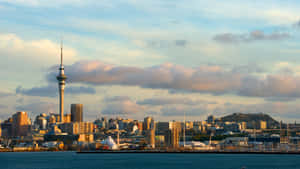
(61, 77)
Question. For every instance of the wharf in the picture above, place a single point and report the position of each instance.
(190, 152)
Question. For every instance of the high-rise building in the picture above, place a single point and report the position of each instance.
(171, 131)
(148, 123)
(211, 119)
(7, 128)
(20, 124)
(150, 137)
(104, 122)
(173, 136)
(76, 112)
(243, 125)
(140, 126)
(67, 118)
(189, 125)
(198, 127)
(149, 130)
(61, 77)
(41, 121)
(78, 128)
(57, 118)
(162, 127)
(52, 119)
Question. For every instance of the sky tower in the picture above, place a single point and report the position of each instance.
(61, 85)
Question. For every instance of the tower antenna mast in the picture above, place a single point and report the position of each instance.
(61, 51)
(61, 78)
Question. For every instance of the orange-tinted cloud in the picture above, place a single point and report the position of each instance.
(215, 80)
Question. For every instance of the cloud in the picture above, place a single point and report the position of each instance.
(166, 43)
(38, 107)
(180, 110)
(181, 42)
(215, 80)
(5, 94)
(170, 101)
(166, 76)
(121, 106)
(279, 99)
(52, 90)
(278, 109)
(2, 106)
(297, 24)
(40, 52)
(80, 90)
(270, 86)
(48, 3)
(20, 100)
(248, 69)
(45, 91)
(256, 35)
(282, 16)
(117, 99)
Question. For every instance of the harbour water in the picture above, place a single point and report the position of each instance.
(72, 160)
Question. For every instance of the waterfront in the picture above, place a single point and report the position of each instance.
(68, 160)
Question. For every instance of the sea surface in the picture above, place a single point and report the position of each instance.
(71, 160)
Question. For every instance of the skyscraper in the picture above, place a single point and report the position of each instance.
(20, 124)
(149, 130)
(148, 123)
(76, 113)
(171, 131)
(61, 85)
(173, 137)
(150, 137)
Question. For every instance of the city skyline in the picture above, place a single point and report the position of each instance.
(154, 63)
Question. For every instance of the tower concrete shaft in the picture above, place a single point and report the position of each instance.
(61, 85)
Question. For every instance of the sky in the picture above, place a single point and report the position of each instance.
(159, 58)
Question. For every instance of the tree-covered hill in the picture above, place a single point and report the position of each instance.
(251, 118)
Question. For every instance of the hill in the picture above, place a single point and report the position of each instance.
(251, 118)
